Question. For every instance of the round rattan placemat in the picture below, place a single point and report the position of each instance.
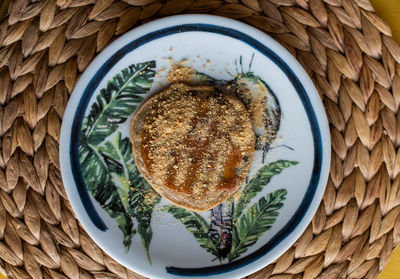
(347, 50)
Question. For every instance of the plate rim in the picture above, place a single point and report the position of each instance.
(293, 64)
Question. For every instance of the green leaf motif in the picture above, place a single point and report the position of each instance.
(112, 155)
(136, 194)
(257, 220)
(246, 228)
(257, 183)
(98, 180)
(102, 162)
(139, 195)
(142, 199)
(195, 224)
(118, 100)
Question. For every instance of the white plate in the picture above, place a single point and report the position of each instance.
(150, 236)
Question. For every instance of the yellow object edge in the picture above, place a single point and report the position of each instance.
(389, 11)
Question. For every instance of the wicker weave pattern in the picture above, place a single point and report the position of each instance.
(347, 50)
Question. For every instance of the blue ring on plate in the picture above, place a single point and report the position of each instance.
(100, 74)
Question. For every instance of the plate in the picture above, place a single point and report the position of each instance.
(119, 209)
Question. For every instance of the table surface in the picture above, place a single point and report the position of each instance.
(389, 10)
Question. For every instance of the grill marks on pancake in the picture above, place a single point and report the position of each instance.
(197, 143)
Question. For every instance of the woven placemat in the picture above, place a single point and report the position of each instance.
(346, 49)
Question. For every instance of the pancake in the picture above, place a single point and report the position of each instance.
(193, 145)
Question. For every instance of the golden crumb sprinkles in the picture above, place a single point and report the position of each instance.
(195, 140)
(180, 73)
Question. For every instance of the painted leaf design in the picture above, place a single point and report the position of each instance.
(110, 151)
(102, 161)
(257, 220)
(257, 183)
(195, 224)
(142, 200)
(137, 195)
(98, 180)
(118, 100)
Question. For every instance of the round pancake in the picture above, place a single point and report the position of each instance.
(193, 145)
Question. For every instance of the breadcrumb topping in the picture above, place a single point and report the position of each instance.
(195, 140)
